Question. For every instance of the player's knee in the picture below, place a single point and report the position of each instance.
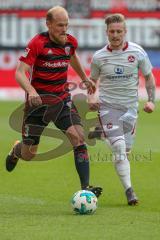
(80, 137)
(76, 137)
(119, 149)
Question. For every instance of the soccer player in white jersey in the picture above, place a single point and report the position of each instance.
(116, 66)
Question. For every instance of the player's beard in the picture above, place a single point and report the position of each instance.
(63, 39)
(59, 40)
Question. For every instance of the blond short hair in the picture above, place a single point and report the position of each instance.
(115, 18)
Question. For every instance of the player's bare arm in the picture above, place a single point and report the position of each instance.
(93, 100)
(33, 97)
(150, 87)
(76, 65)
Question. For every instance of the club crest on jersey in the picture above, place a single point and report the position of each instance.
(131, 58)
(26, 51)
(67, 50)
(119, 70)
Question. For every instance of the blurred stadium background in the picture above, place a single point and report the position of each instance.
(21, 20)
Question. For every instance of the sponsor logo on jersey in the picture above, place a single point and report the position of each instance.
(131, 58)
(119, 70)
(67, 50)
(26, 51)
(55, 65)
(119, 76)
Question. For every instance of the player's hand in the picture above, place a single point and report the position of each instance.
(94, 106)
(149, 107)
(34, 99)
(91, 87)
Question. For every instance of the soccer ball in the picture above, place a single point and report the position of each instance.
(84, 202)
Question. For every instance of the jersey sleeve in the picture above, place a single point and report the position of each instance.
(144, 64)
(74, 43)
(95, 69)
(31, 52)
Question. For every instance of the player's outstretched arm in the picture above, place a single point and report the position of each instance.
(150, 87)
(76, 65)
(33, 97)
(93, 99)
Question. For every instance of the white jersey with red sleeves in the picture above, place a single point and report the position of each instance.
(118, 73)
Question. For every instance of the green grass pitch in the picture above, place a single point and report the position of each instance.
(35, 198)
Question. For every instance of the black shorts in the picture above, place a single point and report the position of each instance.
(63, 114)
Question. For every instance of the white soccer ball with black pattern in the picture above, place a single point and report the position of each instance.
(84, 202)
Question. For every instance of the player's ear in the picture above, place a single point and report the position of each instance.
(48, 23)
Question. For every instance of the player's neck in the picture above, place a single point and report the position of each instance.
(116, 48)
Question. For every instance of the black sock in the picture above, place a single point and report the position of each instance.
(82, 164)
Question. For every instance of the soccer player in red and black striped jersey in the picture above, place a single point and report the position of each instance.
(47, 58)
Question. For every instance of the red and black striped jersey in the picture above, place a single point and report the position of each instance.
(49, 62)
